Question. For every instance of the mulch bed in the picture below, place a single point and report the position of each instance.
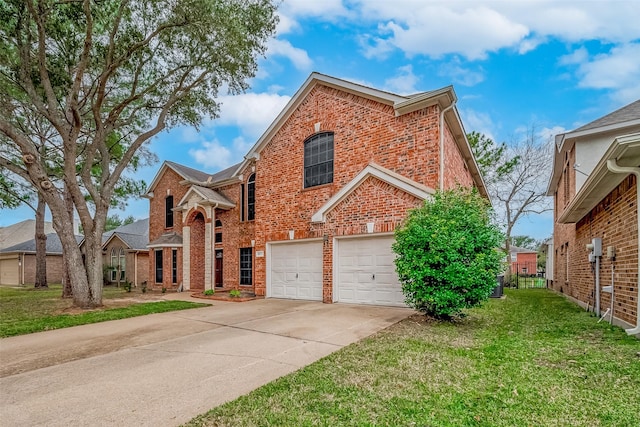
(224, 296)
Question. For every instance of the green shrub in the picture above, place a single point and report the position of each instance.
(209, 292)
(127, 286)
(447, 257)
(234, 293)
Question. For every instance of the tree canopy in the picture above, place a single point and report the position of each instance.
(95, 81)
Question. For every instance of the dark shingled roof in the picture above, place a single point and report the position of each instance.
(213, 195)
(54, 246)
(624, 114)
(199, 176)
(135, 235)
(167, 239)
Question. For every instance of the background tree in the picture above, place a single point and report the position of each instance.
(526, 242)
(516, 176)
(446, 255)
(113, 70)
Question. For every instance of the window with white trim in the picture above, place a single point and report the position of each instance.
(318, 160)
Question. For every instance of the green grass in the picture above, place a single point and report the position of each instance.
(532, 359)
(27, 310)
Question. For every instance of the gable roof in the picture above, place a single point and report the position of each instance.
(169, 240)
(517, 249)
(192, 176)
(621, 120)
(209, 196)
(54, 246)
(444, 98)
(134, 235)
(21, 232)
(373, 170)
(622, 115)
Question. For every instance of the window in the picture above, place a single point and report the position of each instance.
(241, 202)
(174, 266)
(246, 268)
(122, 264)
(318, 160)
(113, 275)
(168, 212)
(218, 237)
(251, 198)
(159, 266)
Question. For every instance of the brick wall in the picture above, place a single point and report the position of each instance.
(168, 184)
(54, 269)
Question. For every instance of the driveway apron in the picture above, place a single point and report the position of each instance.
(164, 369)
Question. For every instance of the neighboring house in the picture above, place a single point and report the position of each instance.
(595, 189)
(523, 260)
(310, 213)
(125, 256)
(20, 232)
(546, 248)
(18, 262)
(125, 252)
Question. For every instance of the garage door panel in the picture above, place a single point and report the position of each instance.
(296, 270)
(366, 272)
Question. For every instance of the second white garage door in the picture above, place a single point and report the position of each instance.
(9, 271)
(296, 270)
(366, 273)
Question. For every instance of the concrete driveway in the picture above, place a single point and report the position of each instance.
(164, 369)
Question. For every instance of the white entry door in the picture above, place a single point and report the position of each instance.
(296, 271)
(365, 272)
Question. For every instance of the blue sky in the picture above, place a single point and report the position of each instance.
(552, 64)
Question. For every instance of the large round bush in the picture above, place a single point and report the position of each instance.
(447, 253)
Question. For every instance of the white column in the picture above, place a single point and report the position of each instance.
(208, 243)
(186, 258)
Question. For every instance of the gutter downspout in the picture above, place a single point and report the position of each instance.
(441, 180)
(612, 165)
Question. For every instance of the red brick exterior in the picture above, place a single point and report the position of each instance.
(365, 132)
(54, 269)
(525, 263)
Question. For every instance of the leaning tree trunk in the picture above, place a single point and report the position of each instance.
(41, 246)
(67, 289)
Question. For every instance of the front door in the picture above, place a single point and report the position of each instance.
(219, 268)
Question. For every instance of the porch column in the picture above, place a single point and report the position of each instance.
(186, 257)
(208, 257)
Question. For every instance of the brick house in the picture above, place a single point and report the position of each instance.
(595, 190)
(310, 211)
(523, 260)
(125, 254)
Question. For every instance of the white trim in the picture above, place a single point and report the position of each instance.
(205, 199)
(403, 183)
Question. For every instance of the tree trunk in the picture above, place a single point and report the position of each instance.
(41, 246)
(67, 289)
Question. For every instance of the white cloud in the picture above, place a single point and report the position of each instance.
(576, 57)
(298, 57)
(478, 122)
(619, 70)
(251, 112)
(458, 74)
(404, 82)
(212, 155)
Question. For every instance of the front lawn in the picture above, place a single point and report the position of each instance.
(27, 310)
(531, 359)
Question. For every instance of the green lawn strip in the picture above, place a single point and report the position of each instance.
(532, 358)
(24, 311)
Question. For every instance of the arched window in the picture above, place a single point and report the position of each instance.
(318, 159)
(113, 274)
(123, 263)
(251, 197)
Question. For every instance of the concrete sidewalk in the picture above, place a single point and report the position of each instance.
(164, 369)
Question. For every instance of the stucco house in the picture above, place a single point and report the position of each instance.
(595, 188)
(310, 211)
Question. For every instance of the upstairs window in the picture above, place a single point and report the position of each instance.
(318, 160)
(251, 197)
(168, 212)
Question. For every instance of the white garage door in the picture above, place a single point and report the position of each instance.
(296, 271)
(366, 273)
(9, 271)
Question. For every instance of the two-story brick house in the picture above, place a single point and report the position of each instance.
(310, 211)
(595, 190)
